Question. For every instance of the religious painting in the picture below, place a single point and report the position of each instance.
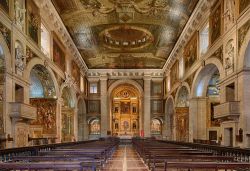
(156, 106)
(156, 88)
(243, 4)
(95, 127)
(33, 20)
(125, 107)
(76, 72)
(155, 127)
(58, 55)
(174, 73)
(94, 106)
(190, 52)
(4, 4)
(182, 123)
(46, 114)
(215, 23)
(125, 125)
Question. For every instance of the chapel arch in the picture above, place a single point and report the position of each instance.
(182, 114)
(125, 110)
(42, 95)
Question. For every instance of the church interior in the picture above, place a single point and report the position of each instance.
(124, 84)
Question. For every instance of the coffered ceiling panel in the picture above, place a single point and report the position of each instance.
(128, 34)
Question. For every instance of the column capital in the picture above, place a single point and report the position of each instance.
(103, 77)
(147, 77)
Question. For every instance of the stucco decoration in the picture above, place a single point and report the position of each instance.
(229, 58)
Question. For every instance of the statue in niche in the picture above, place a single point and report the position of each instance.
(116, 125)
(20, 59)
(134, 125)
(229, 60)
(19, 14)
(229, 14)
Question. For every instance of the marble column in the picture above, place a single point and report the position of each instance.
(147, 105)
(104, 104)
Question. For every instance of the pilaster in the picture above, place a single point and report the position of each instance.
(147, 105)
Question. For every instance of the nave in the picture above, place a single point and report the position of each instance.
(111, 154)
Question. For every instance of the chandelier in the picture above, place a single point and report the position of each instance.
(149, 7)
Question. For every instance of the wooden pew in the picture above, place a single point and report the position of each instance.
(204, 165)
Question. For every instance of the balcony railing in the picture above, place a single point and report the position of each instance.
(21, 110)
(227, 110)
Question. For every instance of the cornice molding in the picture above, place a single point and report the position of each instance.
(201, 8)
(49, 10)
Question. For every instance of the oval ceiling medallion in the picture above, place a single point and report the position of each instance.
(126, 37)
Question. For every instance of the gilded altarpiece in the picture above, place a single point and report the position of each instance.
(182, 123)
(46, 116)
(125, 111)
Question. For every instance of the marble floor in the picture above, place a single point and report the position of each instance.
(125, 158)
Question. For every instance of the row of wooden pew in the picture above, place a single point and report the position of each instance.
(164, 156)
(80, 157)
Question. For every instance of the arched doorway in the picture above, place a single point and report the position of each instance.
(67, 116)
(169, 119)
(42, 95)
(82, 123)
(182, 114)
(125, 110)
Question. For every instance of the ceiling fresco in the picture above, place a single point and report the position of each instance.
(125, 34)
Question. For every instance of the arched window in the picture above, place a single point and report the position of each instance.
(36, 87)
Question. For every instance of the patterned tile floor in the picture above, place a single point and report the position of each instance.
(125, 158)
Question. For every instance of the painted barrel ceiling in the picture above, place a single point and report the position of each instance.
(125, 34)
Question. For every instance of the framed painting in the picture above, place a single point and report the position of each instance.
(190, 52)
(174, 73)
(76, 72)
(215, 23)
(58, 55)
(243, 4)
(33, 21)
(4, 4)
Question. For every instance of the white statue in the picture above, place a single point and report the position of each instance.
(20, 59)
(229, 15)
(229, 55)
(19, 14)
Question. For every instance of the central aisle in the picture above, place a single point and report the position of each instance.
(125, 158)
